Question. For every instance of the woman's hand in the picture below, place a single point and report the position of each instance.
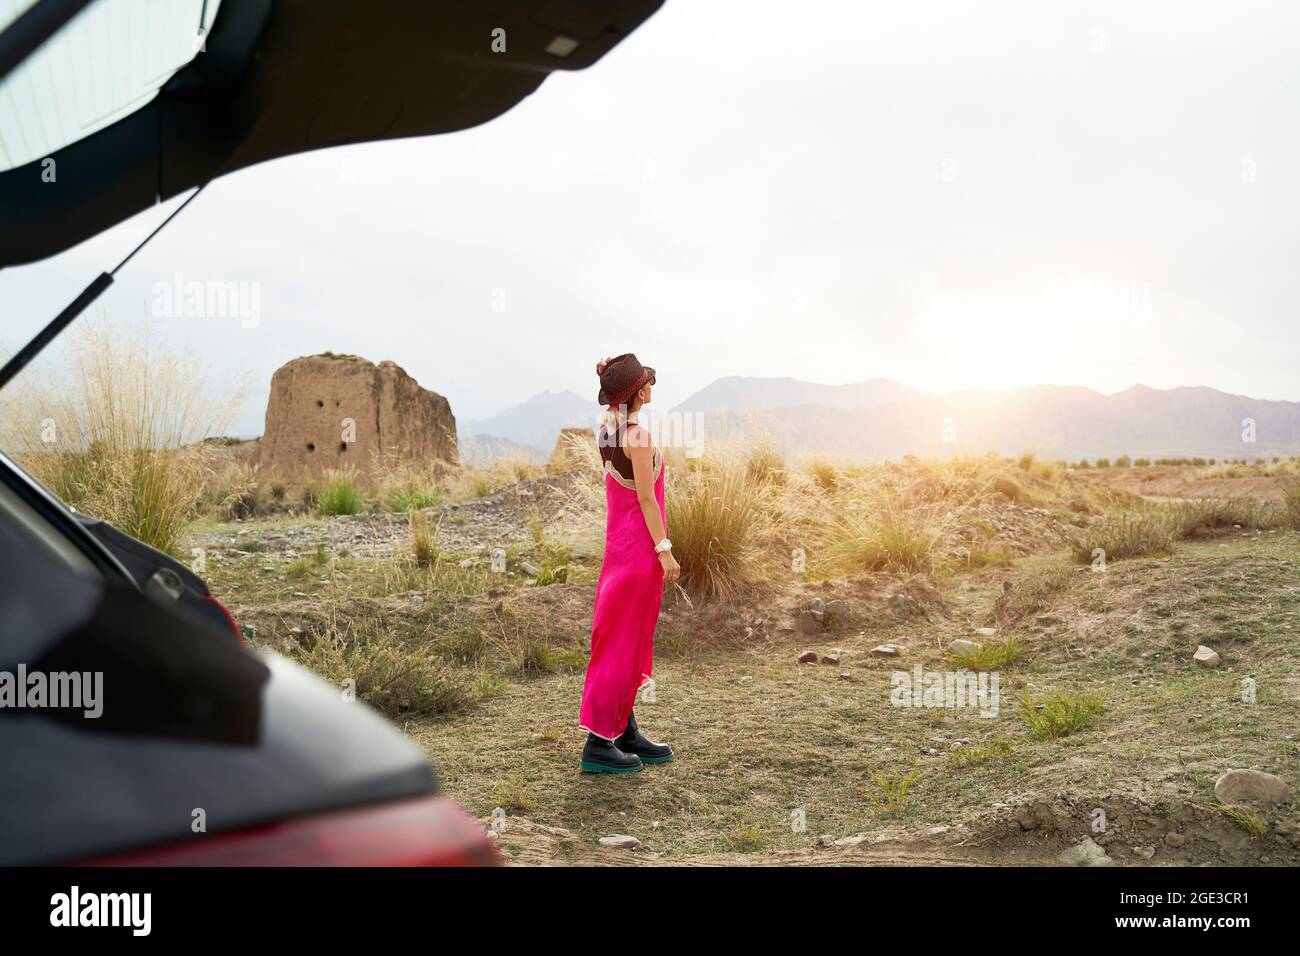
(672, 570)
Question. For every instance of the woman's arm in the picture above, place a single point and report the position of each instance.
(641, 452)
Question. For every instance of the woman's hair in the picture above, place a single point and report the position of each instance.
(612, 417)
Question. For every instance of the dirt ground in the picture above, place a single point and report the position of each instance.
(1181, 484)
(782, 763)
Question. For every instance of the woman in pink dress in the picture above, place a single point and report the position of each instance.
(638, 562)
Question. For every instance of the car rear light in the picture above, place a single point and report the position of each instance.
(430, 831)
(233, 626)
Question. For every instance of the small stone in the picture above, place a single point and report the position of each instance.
(986, 631)
(830, 658)
(1047, 620)
(963, 646)
(1085, 853)
(1250, 786)
(808, 657)
(465, 562)
(1206, 657)
(837, 608)
(826, 840)
(817, 609)
(620, 841)
(845, 675)
(808, 623)
(1145, 852)
(885, 650)
(531, 570)
(417, 600)
(1175, 839)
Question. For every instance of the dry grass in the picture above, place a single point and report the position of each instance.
(402, 486)
(717, 517)
(107, 431)
(473, 483)
(1291, 504)
(883, 535)
(1129, 535)
(1214, 515)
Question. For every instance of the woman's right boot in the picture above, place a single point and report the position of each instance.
(601, 756)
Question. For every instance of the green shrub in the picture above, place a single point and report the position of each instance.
(1059, 714)
(338, 494)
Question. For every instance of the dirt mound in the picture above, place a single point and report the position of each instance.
(330, 411)
(1132, 832)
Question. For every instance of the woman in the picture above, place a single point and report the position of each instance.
(638, 562)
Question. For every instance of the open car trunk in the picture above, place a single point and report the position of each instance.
(264, 78)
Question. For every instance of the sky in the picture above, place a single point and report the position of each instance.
(950, 195)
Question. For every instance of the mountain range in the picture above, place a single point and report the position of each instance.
(879, 419)
(528, 429)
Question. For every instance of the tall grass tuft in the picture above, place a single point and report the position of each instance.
(423, 551)
(107, 431)
(716, 520)
(1291, 504)
(235, 492)
(403, 487)
(1137, 534)
(1208, 516)
(338, 493)
(883, 535)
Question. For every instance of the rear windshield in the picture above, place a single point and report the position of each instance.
(107, 62)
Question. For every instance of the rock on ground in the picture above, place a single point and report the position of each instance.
(620, 841)
(1085, 853)
(1250, 786)
(1206, 657)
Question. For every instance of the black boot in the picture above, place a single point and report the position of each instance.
(634, 742)
(601, 756)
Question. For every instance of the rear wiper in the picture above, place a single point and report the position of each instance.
(78, 305)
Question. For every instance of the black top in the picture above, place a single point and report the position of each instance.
(612, 451)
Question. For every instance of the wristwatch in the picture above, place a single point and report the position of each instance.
(662, 546)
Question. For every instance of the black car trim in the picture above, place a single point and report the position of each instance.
(57, 513)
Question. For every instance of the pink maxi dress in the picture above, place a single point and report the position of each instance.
(629, 592)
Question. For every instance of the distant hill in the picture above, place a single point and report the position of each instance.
(529, 428)
(738, 393)
(879, 419)
(480, 451)
(537, 421)
(1052, 421)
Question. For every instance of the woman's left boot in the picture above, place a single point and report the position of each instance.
(633, 741)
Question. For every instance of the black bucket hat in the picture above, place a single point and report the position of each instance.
(621, 378)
